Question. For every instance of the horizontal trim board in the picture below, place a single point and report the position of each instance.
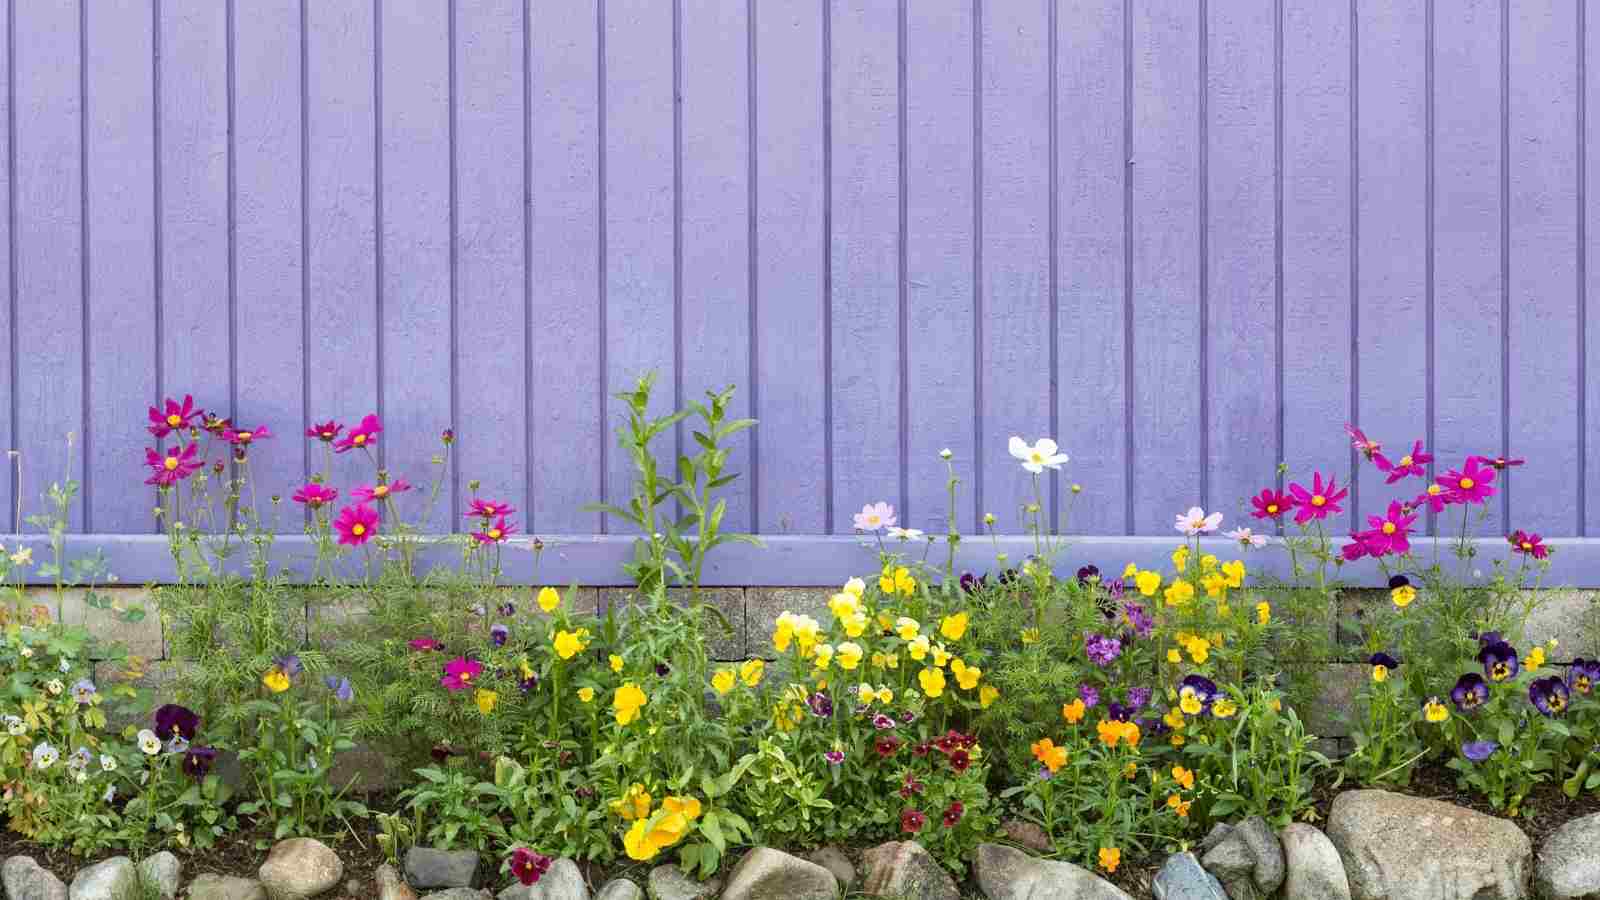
(795, 560)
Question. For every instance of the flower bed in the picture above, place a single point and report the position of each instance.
(1110, 715)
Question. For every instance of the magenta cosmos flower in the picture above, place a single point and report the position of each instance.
(1530, 544)
(327, 432)
(380, 491)
(315, 495)
(356, 524)
(1413, 463)
(1271, 504)
(1390, 533)
(1434, 499)
(174, 416)
(361, 436)
(424, 644)
(1499, 462)
(496, 533)
(1318, 502)
(1368, 447)
(173, 467)
(488, 509)
(459, 672)
(241, 438)
(1474, 483)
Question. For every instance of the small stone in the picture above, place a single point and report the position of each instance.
(1183, 878)
(391, 886)
(110, 879)
(1027, 834)
(25, 879)
(1214, 837)
(905, 870)
(459, 893)
(563, 881)
(225, 887)
(1398, 847)
(620, 889)
(1264, 847)
(430, 868)
(161, 872)
(1568, 866)
(669, 883)
(1312, 868)
(300, 868)
(1006, 873)
(768, 874)
(1230, 858)
(834, 860)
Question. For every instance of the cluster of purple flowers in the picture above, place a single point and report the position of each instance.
(1101, 650)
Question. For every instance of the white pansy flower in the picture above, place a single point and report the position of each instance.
(108, 763)
(45, 756)
(54, 686)
(149, 744)
(1039, 456)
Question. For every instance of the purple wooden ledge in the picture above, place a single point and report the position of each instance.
(799, 560)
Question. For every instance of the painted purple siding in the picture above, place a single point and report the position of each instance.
(1191, 238)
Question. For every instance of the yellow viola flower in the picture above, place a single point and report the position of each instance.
(783, 632)
(987, 695)
(1173, 656)
(486, 700)
(1177, 740)
(1049, 755)
(1224, 707)
(1199, 649)
(1110, 858)
(1180, 559)
(1179, 593)
(904, 584)
(907, 628)
(1402, 596)
(855, 586)
(843, 605)
(1216, 586)
(549, 599)
(1029, 636)
(1434, 711)
(688, 807)
(1173, 718)
(723, 681)
(570, 643)
(751, 672)
(1112, 731)
(1073, 712)
(824, 657)
(849, 654)
(805, 631)
(879, 660)
(865, 694)
(941, 656)
(1208, 563)
(855, 625)
(1534, 659)
(1130, 571)
(885, 695)
(1190, 702)
(1184, 777)
(626, 702)
(634, 803)
(918, 648)
(932, 681)
(1263, 612)
(616, 663)
(1148, 582)
(1234, 570)
(893, 660)
(954, 627)
(966, 676)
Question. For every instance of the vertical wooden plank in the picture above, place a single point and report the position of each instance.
(939, 254)
(1589, 414)
(1542, 219)
(1393, 214)
(566, 425)
(1166, 262)
(789, 253)
(1466, 241)
(865, 258)
(639, 216)
(342, 354)
(491, 303)
(1015, 304)
(1091, 255)
(194, 201)
(12, 339)
(121, 260)
(1317, 239)
(416, 242)
(1241, 247)
(714, 66)
(49, 274)
(268, 274)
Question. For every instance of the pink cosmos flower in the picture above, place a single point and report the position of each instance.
(243, 438)
(174, 417)
(1247, 538)
(315, 495)
(1318, 502)
(1474, 483)
(1435, 498)
(1368, 447)
(496, 533)
(327, 432)
(488, 509)
(459, 672)
(380, 491)
(1390, 532)
(1531, 544)
(356, 524)
(1413, 463)
(363, 435)
(1195, 521)
(424, 644)
(874, 516)
(172, 468)
(1357, 547)
(1271, 504)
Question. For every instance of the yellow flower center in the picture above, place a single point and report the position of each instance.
(381, 490)
(1527, 546)
(171, 463)
(1405, 460)
(872, 520)
(358, 529)
(494, 533)
(359, 439)
(1036, 457)
(244, 436)
(1388, 528)
(1500, 671)
(1272, 508)
(174, 420)
(1467, 483)
(1319, 500)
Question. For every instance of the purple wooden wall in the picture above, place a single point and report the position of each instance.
(1189, 237)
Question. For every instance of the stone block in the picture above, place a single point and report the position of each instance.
(729, 602)
(141, 638)
(763, 605)
(1337, 685)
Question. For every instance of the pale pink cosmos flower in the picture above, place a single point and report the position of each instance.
(1247, 538)
(1195, 521)
(874, 516)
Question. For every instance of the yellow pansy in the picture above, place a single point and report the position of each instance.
(855, 586)
(634, 804)
(865, 694)
(1234, 570)
(275, 680)
(1403, 595)
(1208, 563)
(1148, 582)
(941, 656)
(1184, 777)
(932, 681)
(1215, 585)
(843, 605)
(1179, 593)
(487, 699)
(884, 694)
(805, 631)
(783, 632)
(1173, 656)
(1534, 659)
(723, 681)
(1434, 711)
(918, 648)
(751, 671)
(1180, 559)
(549, 599)
(966, 676)
(1129, 571)
(1073, 712)
(616, 663)
(907, 628)
(953, 627)
(1199, 649)
(824, 656)
(987, 695)
(626, 702)
(849, 655)
(1173, 718)
(1223, 708)
(855, 625)
(570, 643)
(1263, 612)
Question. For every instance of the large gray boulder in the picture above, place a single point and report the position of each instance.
(1006, 873)
(563, 881)
(620, 889)
(1569, 862)
(210, 886)
(906, 871)
(391, 886)
(1183, 878)
(430, 868)
(1313, 869)
(110, 879)
(161, 872)
(669, 883)
(25, 879)
(834, 860)
(300, 868)
(768, 874)
(1396, 847)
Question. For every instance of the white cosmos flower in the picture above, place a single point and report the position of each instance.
(1248, 538)
(874, 516)
(1195, 521)
(1042, 455)
(904, 534)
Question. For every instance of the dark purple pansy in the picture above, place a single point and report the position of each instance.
(1114, 587)
(1549, 695)
(498, 634)
(1583, 675)
(289, 665)
(971, 582)
(1489, 637)
(1499, 661)
(662, 669)
(1138, 619)
(1470, 692)
(1201, 686)
(1088, 573)
(1478, 751)
(1119, 712)
(1398, 581)
(197, 761)
(821, 705)
(174, 719)
(508, 609)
